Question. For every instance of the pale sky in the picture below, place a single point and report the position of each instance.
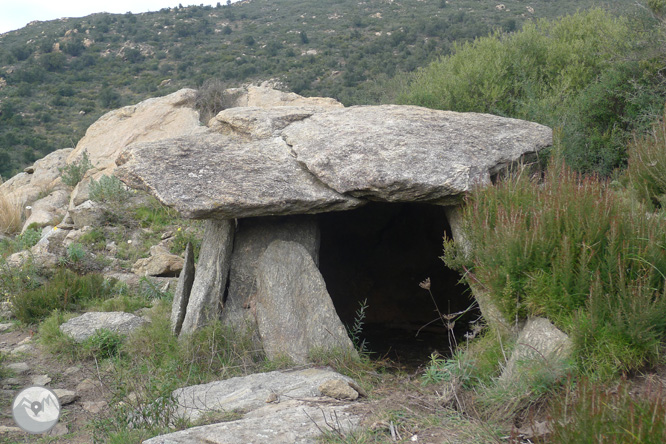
(15, 14)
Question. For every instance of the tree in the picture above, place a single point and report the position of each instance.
(304, 38)
(109, 98)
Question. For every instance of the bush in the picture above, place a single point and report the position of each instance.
(75, 171)
(103, 344)
(571, 250)
(647, 166)
(212, 98)
(595, 414)
(588, 73)
(65, 291)
(108, 189)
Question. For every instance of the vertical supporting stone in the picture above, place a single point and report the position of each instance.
(295, 314)
(489, 310)
(211, 275)
(252, 238)
(183, 290)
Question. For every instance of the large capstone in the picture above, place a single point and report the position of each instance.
(306, 161)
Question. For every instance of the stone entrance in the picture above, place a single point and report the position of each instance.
(380, 253)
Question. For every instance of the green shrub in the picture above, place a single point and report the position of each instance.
(75, 253)
(185, 236)
(108, 189)
(593, 414)
(74, 172)
(588, 73)
(55, 341)
(94, 239)
(476, 365)
(28, 239)
(571, 250)
(103, 344)
(647, 166)
(64, 291)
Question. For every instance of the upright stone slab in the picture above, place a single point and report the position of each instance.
(183, 290)
(211, 275)
(252, 238)
(294, 311)
(539, 343)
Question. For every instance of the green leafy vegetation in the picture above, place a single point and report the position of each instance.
(588, 412)
(109, 190)
(154, 362)
(594, 75)
(73, 173)
(571, 250)
(64, 290)
(64, 74)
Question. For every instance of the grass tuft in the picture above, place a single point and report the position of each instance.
(11, 212)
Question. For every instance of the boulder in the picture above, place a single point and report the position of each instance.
(259, 123)
(45, 173)
(160, 263)
(89, 213)
(283, 161)
(182, 294)
(48, 210)
(295, 314)
(152, 119)
(210, 279)
(209, 175)
(539, 343)
(252, 237)
(246, 393)
(265, 97)
(82, 327)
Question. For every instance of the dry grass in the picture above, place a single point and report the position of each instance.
(10, 214)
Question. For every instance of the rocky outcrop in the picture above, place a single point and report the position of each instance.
(295, 314)
(82, 327)
(282, 407)
(282, 161)
(264, 97)
(41, 177)
(291, 422)
(48, 210)
(150, 120)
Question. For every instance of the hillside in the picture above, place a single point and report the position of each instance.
(58, 77)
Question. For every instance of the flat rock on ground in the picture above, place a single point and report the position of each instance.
(290, 422)
(281, 407)
(82, 327)
(251, 392)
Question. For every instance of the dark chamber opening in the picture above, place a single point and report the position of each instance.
(381, 252)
